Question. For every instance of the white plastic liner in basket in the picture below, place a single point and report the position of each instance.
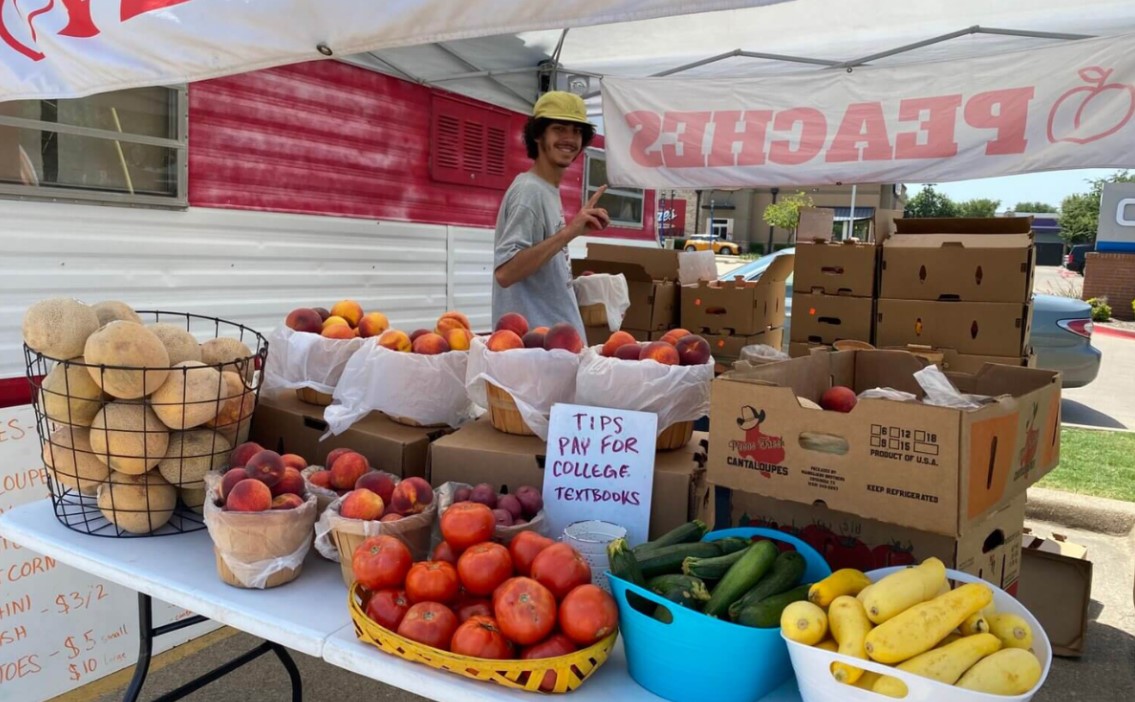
(536, 379)
(674, 393)
(607, 290)
(306, 360)
(428, 389)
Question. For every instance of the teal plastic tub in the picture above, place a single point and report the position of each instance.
(697, 658)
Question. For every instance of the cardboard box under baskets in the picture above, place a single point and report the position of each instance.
(569, 671)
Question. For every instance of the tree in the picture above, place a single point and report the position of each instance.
(1033, 207)
(1080, 213)
(930, 203)
(978, 207)
(785, 212)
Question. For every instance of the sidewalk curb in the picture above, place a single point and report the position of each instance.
(1117, 332)
(1086, 512)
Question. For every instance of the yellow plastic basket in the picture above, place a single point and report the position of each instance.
(571, 670)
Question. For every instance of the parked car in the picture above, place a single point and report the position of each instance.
(1061, 334)
(707, 242)
(1074, 259)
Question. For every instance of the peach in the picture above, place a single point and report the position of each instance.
(267, 467)
(513, 321)
(373, 324)
(395, 340)
(249, 496)
(456, 318)
(661, 352)
(619, 338)
(231, 478)
(839, 399)
(671, 337)
(339, 331)
(542, 330)
(418, 332)
(693, 350)
(334, 454)
(243, 452)
(534, 340)
(348, 469)
(504, 340)
(320, 478)
(629, 352)
(361, 504)
(390, 517)
(324, 313)
(287, 501)
(294, 460)
(348, 310)
(411, 496)
(381, 484)
(430, 344)
(459, 339)
(563, 336)
(291, 482)
(334, 320)
(304, 319)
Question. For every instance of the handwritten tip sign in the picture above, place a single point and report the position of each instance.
(600, 465)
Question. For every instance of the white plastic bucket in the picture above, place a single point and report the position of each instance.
(590, 538)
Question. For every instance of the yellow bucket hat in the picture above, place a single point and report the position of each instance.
(561, 106)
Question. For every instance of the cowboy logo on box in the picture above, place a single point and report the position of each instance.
(757, 451)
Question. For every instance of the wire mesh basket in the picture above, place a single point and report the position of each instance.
(129, 429)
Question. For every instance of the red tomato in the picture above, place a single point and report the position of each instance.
(480, 637)
(387, 607)
(429, 623)
(560, 568)
(525, 610)
(524, 548)
(432, 581)
(588, 614)
(551, 647)
(483, 567)
(467, 524)
(381, 562)
(445, 552)
(473, 607)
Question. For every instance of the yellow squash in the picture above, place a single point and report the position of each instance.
(804, 622)
(1010, 671)
(975, 623)
(902, 590)
(921, 627)
(845, 581)
(944, 664)
(850, 626)
(828, 644)
(1013, 631)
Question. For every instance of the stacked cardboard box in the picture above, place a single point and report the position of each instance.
(962, 286)
(652, 285)
(833, 294)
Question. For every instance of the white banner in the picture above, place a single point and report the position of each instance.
(1062, 107)
(71, 48)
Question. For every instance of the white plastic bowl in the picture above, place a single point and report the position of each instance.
(813, 665)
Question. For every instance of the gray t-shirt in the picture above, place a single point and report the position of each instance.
(531, 212)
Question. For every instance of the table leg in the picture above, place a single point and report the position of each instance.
(147, 633)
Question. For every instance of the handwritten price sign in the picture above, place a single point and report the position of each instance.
(600, 465)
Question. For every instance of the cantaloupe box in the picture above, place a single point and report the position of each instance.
(989, 548)
(478, 453)
(930, 468)
(836, 268)
(286, 425)
(737, 307)
(959, 259)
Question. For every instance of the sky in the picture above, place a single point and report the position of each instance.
(1050, 187)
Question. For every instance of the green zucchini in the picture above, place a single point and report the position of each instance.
(786, 572)
(755, 561)
(685, 590)
(623, 563)
(732, 544)
(688, 533)
(711, 568)
(766, 613)
(668, 559)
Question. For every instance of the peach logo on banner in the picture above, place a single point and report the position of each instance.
(1074, 110)
(18, 23)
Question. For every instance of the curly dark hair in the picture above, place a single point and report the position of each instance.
(535, 128)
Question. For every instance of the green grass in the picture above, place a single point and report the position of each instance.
(1099, 463)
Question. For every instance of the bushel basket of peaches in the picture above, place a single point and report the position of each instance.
(524, 616)
(670, 377)
(414, 378)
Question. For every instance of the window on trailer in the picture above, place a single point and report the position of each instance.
(124, 147)
(623, 204)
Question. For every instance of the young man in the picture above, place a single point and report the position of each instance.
(532, 273)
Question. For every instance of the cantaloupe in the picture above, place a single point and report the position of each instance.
(192, 454)
(180, 344)
(69, 395)
(58, 327)
(193, 498)
(138, 504)
(231, 352)
(237, 405)
(113, 310)
(129, 437)
(67, 453)
(125, 348)
(189, 397)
